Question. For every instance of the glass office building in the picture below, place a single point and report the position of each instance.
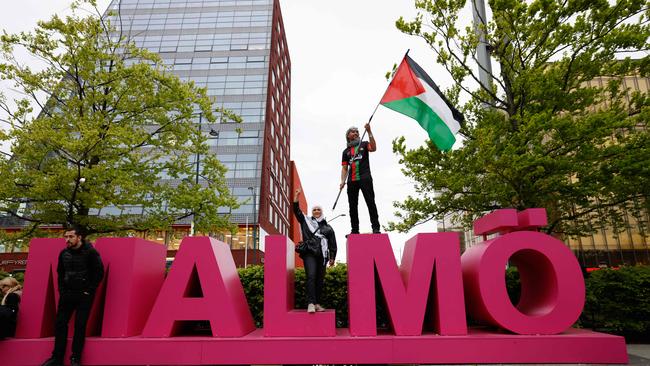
(237, 50)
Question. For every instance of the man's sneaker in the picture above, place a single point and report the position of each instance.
(319, 308)
(52, 362)
(354, 232)
(74, 361)
(376, 231)
(311, 308)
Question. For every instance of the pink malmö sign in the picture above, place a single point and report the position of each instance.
(139, 312)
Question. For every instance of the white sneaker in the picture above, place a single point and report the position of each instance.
(319, 308)
(311, 308)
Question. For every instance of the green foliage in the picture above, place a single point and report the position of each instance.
(252, 279)
(113, 121)
(19, 276)
(513, 285)
(335, 293)
(618, 301)
(541, 135)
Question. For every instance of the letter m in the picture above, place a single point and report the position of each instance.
(428, 282)
(135, 270)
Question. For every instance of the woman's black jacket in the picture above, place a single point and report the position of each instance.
(325, 229)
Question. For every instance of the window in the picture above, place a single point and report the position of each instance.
(255, 59)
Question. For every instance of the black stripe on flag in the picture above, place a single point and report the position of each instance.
(420, 73)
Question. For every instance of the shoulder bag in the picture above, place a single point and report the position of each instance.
(310, 245)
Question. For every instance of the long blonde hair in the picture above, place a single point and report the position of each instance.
(15, 288)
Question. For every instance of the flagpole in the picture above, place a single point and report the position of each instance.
(361, 140)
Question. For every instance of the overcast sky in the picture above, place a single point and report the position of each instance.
(340, 52)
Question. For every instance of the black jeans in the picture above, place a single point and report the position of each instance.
(69, 303)
(315, 273)
(365, 185)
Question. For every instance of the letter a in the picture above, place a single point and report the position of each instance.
(208, 263)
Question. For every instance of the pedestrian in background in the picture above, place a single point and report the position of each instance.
(11, 291)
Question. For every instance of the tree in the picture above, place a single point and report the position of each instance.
(113, 122)
(544, 133)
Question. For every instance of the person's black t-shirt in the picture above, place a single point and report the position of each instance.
(360, 167)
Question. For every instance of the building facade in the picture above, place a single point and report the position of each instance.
(629, 244)
(238, 51)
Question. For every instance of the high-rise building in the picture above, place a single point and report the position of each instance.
(237, 49)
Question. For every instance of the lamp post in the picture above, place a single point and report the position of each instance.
(336, 217)
(483, 57)
(213, 133)
(246, 245)
(252, 189)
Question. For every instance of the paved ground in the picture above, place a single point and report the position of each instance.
(639, 354)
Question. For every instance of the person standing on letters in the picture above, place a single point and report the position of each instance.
(315, 226)
(356, 159)
(80, 270)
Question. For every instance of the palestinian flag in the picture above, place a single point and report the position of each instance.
(414, 94)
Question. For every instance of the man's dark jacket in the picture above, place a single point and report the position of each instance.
(80, 270)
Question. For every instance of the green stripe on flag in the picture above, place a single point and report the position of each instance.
(437, 129)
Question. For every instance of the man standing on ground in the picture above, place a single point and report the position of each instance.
(80, 270)
(356, 159)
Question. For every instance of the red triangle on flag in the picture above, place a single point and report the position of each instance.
(404, 84)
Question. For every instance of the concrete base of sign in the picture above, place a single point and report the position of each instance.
(479, 346)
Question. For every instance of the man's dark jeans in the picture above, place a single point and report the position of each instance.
(69, 303)
(365, 185)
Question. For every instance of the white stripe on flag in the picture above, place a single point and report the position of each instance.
(433, 100)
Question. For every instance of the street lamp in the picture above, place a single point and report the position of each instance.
(336, 217)
(252, 189)
(213, 133)
(246, 245)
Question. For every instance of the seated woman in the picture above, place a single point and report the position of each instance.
(315, 263)
(10, 291)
